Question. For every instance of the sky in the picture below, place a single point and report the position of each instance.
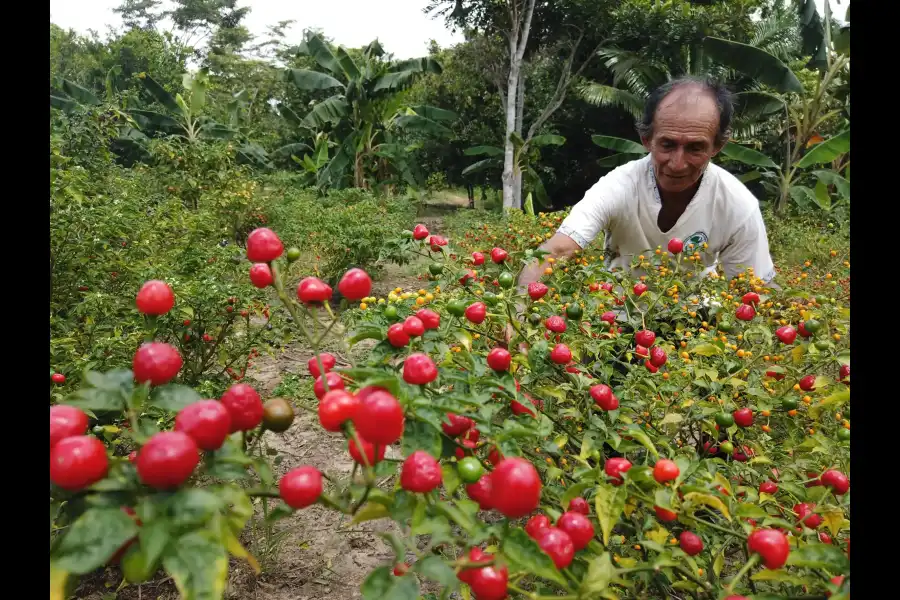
(400, 25)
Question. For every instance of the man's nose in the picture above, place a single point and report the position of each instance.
(676, 160)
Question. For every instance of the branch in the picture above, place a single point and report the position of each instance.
(562, 87)
(526, 28)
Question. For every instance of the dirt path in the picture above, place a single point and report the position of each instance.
(320, 556)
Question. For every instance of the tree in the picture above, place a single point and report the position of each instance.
(559, 29)
(368, 109)
(195, 20)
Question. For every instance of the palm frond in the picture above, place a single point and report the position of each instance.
(605, 95)
(636, 73)
(778, 35)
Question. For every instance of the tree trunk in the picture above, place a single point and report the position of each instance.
(509, 189)
(520, 26)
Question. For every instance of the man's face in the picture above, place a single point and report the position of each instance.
(683, 142)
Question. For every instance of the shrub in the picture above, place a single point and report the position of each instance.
(750, 417)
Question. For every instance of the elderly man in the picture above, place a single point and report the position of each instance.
(673, 192)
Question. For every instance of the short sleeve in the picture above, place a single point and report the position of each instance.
(749, 247)
(598, 208)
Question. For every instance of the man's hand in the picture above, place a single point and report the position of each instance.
(559, 246)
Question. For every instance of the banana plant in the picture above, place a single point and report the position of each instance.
(365, 107)
(184, 116)
(523, 161)
(68, 96)
(806, 112)
(315, 161)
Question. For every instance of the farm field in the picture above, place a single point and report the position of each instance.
(289, 357)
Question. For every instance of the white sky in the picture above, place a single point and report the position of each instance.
(400, 25)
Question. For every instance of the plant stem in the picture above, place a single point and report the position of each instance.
(740, 574)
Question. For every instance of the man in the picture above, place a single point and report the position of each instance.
(673, 192)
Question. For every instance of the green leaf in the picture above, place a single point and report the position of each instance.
(618, 144)
(217, 131)
(779, 575)
(92, 540)
(481, 165)
(672, 418)
(695, 498)
(600, 572)
(173, 397)
(372, 511)
(548, 139)
(829, 177)
(311, 80)
(365, 332)
(80, 94)
(159, 93)
(148, 119)
(747, 156)
(483, 151)
(197, 87)
(706, 350)
(750, 511)
(719, 563)
(420, 435)
(154, 537)
(198, 565)
(193, 507)
(836, 399)
(748, 177)
(753, 62)
(434, 113)
(66, 105)
(823, 200)
(617, 160)
(381, 584)
(233, 546)
(642, 438)
(456, 515)
(802, 196)
(609, 503)
(329, 111)
(526, 555)
(422, 125)
(318, 49)
(450, 475)
(434, 568)
(826, 151)
(106, 391)
(607, 95)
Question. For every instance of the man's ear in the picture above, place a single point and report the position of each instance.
(646, 142)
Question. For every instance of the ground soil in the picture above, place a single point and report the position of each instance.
(318, 555)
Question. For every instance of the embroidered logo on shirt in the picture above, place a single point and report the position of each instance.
(695, 241)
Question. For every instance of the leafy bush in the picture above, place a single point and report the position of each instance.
(344, 229)
(716, 464)
(111, 229)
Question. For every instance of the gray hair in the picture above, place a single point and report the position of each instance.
(716, 89)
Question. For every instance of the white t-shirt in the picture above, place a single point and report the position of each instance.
(723, 213)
